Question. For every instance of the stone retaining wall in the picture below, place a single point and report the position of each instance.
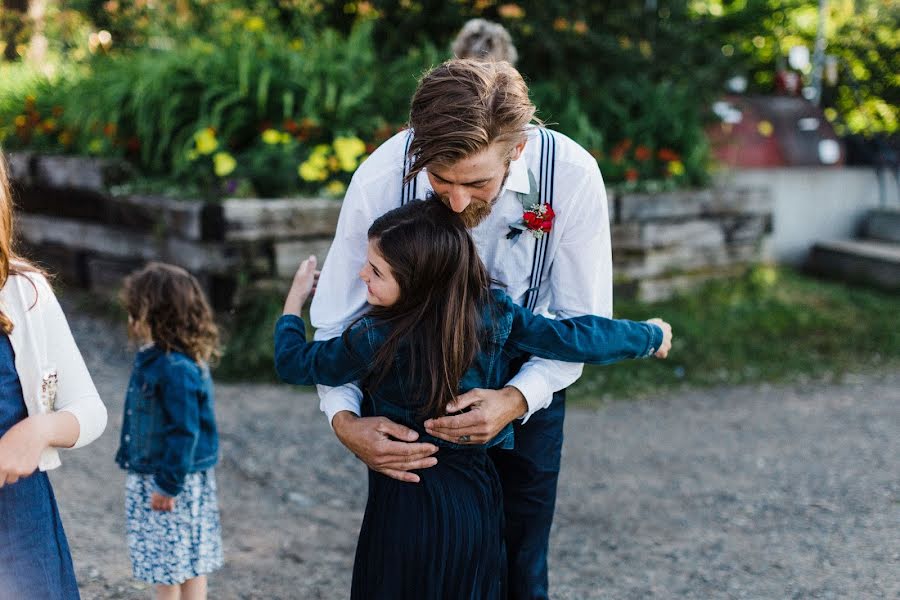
(67, 220)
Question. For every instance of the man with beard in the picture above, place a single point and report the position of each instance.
(536, 205)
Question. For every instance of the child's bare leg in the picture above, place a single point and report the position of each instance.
(167, 592)
(194, 589)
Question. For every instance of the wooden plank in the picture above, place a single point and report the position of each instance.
(656, 290)
(120, 243)
(661, 234)
(79, 172)
(147, 214)
(255, 219)
(681, 259)
(665, 205)
(289, 254)
(20, 167)
(739, 201)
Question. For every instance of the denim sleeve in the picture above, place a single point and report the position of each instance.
(588, 339)
(329, 362)
(179, 389)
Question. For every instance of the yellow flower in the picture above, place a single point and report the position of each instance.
(285, 138)
(21, 121)
(271, 136)
(296, 44)
(95, 146)
(676, 167)
(223, 164)
(348, 149)
(206, 141)
(254, 24)
(765, 128)
(645, 48)
(335, 187)
(310, 171)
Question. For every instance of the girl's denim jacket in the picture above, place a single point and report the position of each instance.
(515, 334)
(169, 427)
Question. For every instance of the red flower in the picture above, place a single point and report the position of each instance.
(539, 220)
(631, 174)
(642, 153)
(667, 154)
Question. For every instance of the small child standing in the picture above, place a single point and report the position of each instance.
(169, 442)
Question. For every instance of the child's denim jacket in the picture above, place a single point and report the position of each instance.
(514, 334)
(169, 427)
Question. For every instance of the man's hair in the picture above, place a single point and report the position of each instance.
(462, 107)
(484, 40)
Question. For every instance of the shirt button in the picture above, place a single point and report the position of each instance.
(127, 438)
(128, 412)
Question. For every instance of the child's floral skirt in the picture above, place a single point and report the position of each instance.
(172, 547)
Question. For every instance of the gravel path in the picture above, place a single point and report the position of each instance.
(748, 492)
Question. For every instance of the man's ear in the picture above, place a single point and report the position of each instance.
(517, 150)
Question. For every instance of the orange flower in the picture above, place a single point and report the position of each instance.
(642, 153)
(580, 27)
(510, 11)
(667, 154)
(619, 150)
(631, 174)
(109, 130)
(561, 24)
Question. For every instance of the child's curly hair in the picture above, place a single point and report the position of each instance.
(166, 305)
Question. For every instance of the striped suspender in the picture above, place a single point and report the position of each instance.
(407, 189)
(546, 183)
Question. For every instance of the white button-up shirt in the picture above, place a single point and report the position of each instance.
(577, 266)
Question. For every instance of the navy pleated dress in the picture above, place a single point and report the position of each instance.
(35, 562)
(442, 538)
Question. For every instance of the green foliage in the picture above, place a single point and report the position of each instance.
(864, 36)
(773, 325)
(631, 81)
(249, 352)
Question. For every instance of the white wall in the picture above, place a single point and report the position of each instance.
(812, 204)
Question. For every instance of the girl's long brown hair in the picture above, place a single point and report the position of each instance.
(444, 287)
(10, 262)
(168, 306)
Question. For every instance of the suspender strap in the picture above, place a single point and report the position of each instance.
(407, 189)
(546, 183)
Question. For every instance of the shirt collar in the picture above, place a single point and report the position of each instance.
(518, 176)
(516, 182)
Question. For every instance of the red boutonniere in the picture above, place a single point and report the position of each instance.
(537, 220)
(537, 217)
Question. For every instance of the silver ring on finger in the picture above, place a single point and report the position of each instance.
(464, 439)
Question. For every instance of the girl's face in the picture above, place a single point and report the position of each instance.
(383, 289)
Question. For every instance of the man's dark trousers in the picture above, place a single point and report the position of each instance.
(529, 474)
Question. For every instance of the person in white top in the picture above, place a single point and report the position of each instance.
(536, 205)
(47, 401)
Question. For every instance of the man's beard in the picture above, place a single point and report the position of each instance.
(477, 210)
